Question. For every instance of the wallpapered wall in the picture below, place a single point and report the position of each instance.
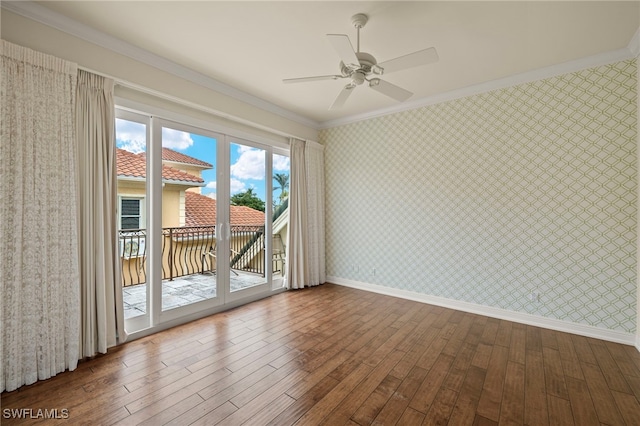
(489, 198)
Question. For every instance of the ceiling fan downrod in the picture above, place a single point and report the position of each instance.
(359, 21)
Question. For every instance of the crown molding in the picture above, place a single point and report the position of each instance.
(634, 44)
(630, 52)
(45, 16)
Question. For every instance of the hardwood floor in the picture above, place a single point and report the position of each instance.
(338, 356)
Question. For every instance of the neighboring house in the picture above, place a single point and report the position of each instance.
(183, 205)
(185, 163)
(132, 171)
(188, 219)
(201, 210)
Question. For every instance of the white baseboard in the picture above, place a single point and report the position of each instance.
(519, 317)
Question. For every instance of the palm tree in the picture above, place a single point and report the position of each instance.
(247, 198)
(283, 181)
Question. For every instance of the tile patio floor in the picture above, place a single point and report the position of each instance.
(183, 291)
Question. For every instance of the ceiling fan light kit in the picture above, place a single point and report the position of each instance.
(361, 66)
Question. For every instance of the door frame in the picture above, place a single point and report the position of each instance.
(155, 319)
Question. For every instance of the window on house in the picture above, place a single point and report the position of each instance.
(131, 213)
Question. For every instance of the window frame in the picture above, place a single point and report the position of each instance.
(142, 216)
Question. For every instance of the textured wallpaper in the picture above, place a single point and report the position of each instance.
(489, 198)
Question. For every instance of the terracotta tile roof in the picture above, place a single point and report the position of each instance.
(135, 165)
(130, 164)
(201, 210)
(171, 155)
(243, 215)
(169, 173)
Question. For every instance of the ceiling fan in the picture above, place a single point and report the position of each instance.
(360, 66)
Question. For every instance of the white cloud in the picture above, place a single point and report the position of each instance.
(280, 163)
(176, 139)
(250, 164)
(236, 186)
(131, 136)
(132, 145)
(209, 189)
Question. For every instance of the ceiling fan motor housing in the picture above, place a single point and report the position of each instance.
(367, 62)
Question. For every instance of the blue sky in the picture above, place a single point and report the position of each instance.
(247, 163)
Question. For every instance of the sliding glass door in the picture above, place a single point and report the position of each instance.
(202, 219)
(188, 235)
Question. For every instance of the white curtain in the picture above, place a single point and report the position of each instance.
(39, 276)
(314, 161)
(101, 291)
(306, 261)
(296, 275)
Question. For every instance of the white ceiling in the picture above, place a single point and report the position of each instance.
(252, 46)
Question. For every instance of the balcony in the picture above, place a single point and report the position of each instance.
(189, 262)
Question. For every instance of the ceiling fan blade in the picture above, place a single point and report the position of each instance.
(316, 78)
(415, 59)
(342, 97)
(391, 90)
(343, 46)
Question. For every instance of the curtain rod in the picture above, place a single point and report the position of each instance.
(212, 111)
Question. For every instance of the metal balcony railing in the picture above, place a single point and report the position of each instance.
(191, 250)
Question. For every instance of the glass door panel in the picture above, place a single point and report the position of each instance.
(189, 218)
(132, 136)
(248, 189)
(280, 218)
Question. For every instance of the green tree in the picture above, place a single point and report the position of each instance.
(283, 181)
(247, 198)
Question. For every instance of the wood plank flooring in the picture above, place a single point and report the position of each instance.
(338, 356)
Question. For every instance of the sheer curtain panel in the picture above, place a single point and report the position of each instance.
(39, 276)
(100, 287)
(306, 252)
